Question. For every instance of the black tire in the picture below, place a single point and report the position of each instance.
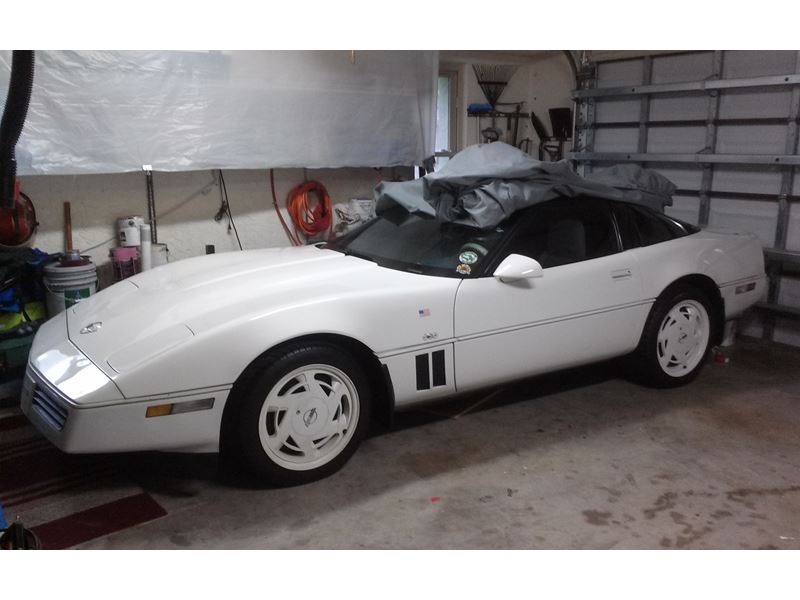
(648, 368)
(242, 431)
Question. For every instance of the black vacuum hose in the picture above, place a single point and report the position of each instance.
(20, 87)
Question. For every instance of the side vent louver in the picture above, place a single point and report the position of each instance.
(430, 367)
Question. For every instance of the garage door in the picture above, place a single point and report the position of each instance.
(723, 126)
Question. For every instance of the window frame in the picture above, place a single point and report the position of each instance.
(452, 74)
(500, 252)
(632, 209)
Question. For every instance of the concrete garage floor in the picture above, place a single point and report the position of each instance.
(582, 459)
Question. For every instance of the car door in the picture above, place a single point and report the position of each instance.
(587, 306)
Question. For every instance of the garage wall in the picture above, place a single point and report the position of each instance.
(185, 203)
(543, 80)
(735, 124)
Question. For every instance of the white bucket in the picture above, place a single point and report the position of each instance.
(68, 285)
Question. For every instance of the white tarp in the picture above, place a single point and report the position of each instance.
(114, 111)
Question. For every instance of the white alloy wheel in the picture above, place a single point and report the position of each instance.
(308, 417)
(683, 338)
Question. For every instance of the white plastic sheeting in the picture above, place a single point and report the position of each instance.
(114, 111)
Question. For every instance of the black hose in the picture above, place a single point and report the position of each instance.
(20, 86)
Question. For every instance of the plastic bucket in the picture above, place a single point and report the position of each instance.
(68, 283)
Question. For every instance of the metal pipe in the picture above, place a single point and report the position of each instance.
(151, 203)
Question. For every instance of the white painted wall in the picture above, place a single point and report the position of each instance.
(185, 203)
(543, 80)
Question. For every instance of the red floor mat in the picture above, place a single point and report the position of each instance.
(98, 521)
(65, 499)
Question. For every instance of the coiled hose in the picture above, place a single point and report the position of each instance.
(307, 219)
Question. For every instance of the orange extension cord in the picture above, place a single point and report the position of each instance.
(310, 221)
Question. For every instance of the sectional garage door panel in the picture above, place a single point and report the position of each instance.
(746, 215)
(685, 208)
(682, 67)
(744, 115)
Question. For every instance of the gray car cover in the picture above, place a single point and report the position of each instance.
(484, 184)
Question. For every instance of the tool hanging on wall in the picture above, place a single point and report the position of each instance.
(493, 79)
(551, 147)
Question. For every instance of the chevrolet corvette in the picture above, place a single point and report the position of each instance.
(280, 357)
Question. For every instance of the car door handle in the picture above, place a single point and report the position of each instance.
(621, 274)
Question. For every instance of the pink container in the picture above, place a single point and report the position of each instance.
(126, 262)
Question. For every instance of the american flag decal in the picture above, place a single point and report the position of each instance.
(424, 312)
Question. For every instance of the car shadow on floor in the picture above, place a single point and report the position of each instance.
(168, 473)
(441, 437)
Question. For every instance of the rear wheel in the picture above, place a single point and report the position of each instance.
(676, 338)
(301, 415)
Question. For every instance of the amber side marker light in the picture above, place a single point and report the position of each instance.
(747, 287)
(162, 410)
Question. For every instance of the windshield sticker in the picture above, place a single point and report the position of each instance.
(468, 257)
(463, 269)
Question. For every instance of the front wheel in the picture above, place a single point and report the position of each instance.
(301, 416)
(676, 338)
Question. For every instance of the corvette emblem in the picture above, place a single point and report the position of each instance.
(310, 417)
(92, 327)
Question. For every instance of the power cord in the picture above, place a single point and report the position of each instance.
(225, 209)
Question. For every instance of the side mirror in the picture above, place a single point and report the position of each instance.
(515, 267)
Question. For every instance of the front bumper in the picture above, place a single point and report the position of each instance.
(122, 426)
(80, 410)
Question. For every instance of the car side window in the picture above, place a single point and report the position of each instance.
(639, 226)
(565, 231)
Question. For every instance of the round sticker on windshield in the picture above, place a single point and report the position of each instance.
(468, 257)
(463, 269)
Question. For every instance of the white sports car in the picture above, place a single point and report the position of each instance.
(280, 356)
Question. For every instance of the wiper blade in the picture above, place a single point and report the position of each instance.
(348, 252)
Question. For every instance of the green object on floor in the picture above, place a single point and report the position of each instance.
(35, 311)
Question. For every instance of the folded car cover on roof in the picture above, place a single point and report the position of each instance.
(484, 184)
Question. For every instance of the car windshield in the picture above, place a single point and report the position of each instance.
(401, 240)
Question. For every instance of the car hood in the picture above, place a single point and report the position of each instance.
(153, 312)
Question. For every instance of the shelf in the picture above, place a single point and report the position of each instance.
(500, 115)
